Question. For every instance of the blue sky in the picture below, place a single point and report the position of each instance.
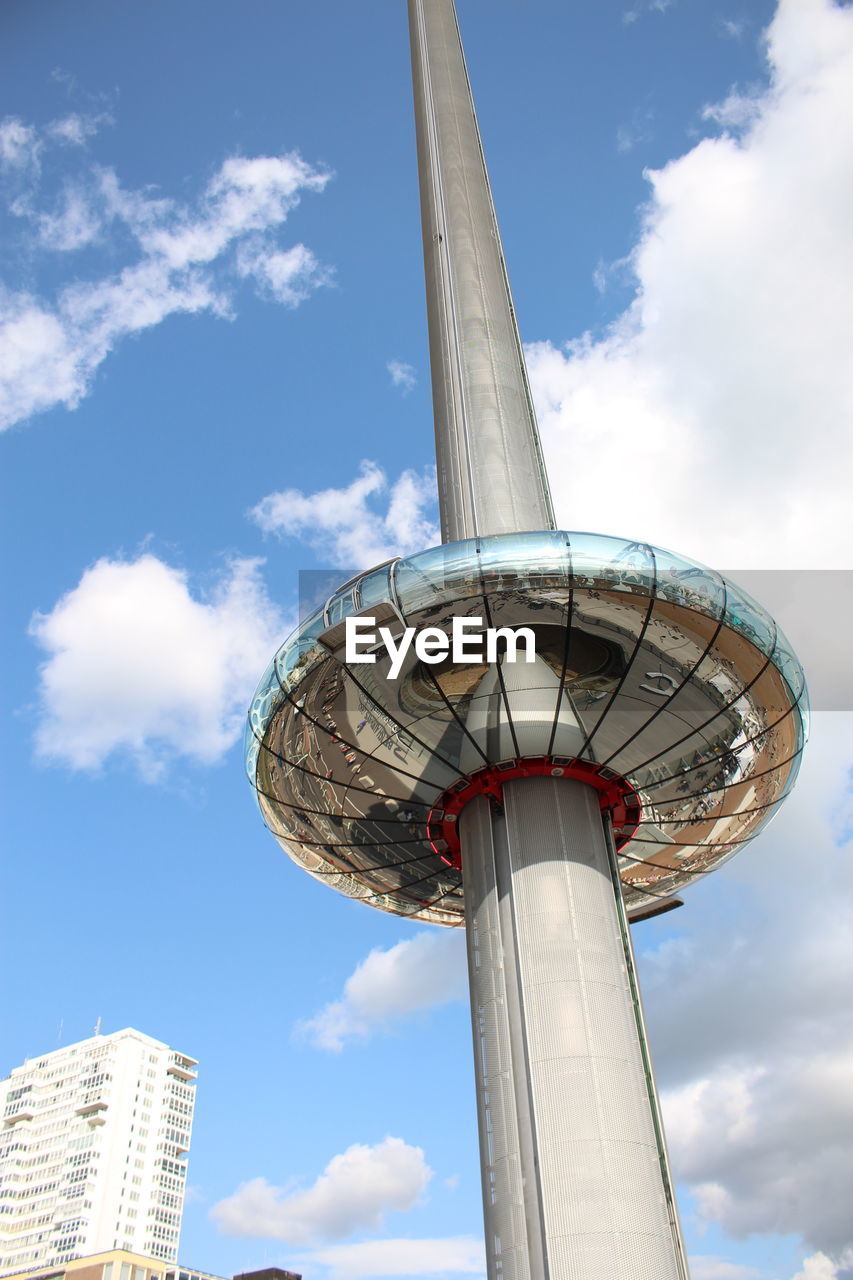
(213, 374)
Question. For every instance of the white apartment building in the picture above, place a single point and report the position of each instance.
(93, 1146)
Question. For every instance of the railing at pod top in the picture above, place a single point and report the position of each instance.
(654, 679)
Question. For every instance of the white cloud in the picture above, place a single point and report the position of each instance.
(402, 1258)
(402, 375)
(288, 276)
(763, 1146)
(19, 145)
(751, 1022)
(706, 1267)
(649, 6)
(716, 409)
(732, 27)
(49, 355)
(138, 666)
(820, 1267)
(420, 973)
(638, 131)
(244, 196)
(74, 226)
(347, 525)
(75, 128)
(188, 259)
(354, 1192)
(737, 111)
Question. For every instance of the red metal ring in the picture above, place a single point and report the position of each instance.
(615, 795)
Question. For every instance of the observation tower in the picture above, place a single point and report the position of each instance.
(542, 804)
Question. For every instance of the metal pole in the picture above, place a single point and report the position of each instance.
(491, 474)
(575, 1181)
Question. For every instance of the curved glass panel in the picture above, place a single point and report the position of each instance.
(626, 566)
(787, 662)
(750, 619)
(437, 576)
(374, 587)
(340, 606)
(302, 651)
(691, 585)
(251, 749)
(267, 695)
(532, 560)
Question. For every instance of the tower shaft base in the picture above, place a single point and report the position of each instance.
(575, 1177)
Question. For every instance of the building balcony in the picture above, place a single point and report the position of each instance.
(91, 1109)
(182, 1071)
(17, 1118)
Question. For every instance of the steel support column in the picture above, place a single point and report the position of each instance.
(575, 1180)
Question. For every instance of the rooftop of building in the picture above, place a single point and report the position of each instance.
(98, 1040)
(122, 1264)
(268, 1273)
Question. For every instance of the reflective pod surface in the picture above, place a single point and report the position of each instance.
(650, 668)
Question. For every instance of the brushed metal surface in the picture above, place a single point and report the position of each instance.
(577, 1185)
(491, 475)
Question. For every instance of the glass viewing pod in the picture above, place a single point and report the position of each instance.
(655, 680)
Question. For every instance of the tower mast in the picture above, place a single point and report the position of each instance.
(491, 473)
(574, 1166)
